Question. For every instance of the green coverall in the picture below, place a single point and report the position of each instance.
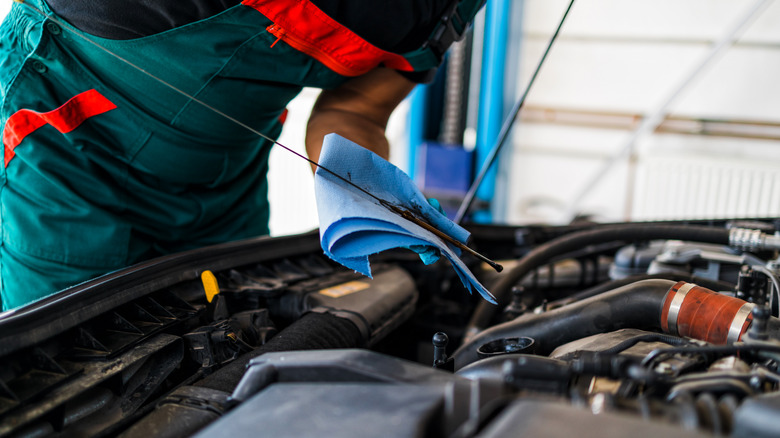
(106, 165)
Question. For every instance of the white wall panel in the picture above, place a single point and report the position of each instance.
(567, 140)
(743, 85)
(635, 77)
(602, 76)
(4, 8)
(675, 187)
(549, 184)
(625, 57)
(290, 180)
(658, 20)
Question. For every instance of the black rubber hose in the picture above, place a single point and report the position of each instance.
(650, 337)
(634, 232)
(314, 331)
(715, 285)
(637, 305)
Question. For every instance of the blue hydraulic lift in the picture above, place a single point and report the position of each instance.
(491, 112)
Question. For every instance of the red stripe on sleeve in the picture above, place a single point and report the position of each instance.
(283, 116)
(306, 28)
(64, 119)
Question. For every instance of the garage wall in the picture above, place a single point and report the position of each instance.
(718, 152)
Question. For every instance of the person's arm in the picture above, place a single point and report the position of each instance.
(358, 110)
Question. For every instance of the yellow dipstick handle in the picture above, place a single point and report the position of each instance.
(210, 285)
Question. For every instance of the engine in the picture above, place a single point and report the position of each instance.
(642, 329)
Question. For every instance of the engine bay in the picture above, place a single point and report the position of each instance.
(601, 330)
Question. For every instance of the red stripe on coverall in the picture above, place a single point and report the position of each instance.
(64, 119)
(307, 29)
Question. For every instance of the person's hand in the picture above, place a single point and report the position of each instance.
(358, 110)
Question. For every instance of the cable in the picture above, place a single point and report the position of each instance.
(715, 285)
(710, 349)
(651, 337)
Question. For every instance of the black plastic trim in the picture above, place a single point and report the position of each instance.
(66, 309)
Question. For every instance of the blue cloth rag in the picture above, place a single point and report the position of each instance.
(353, 225)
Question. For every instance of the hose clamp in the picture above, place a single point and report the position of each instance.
(751, 240)
(740, 318)
(744, 238)
(676, 305)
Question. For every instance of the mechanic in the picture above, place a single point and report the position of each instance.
(111, 156)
